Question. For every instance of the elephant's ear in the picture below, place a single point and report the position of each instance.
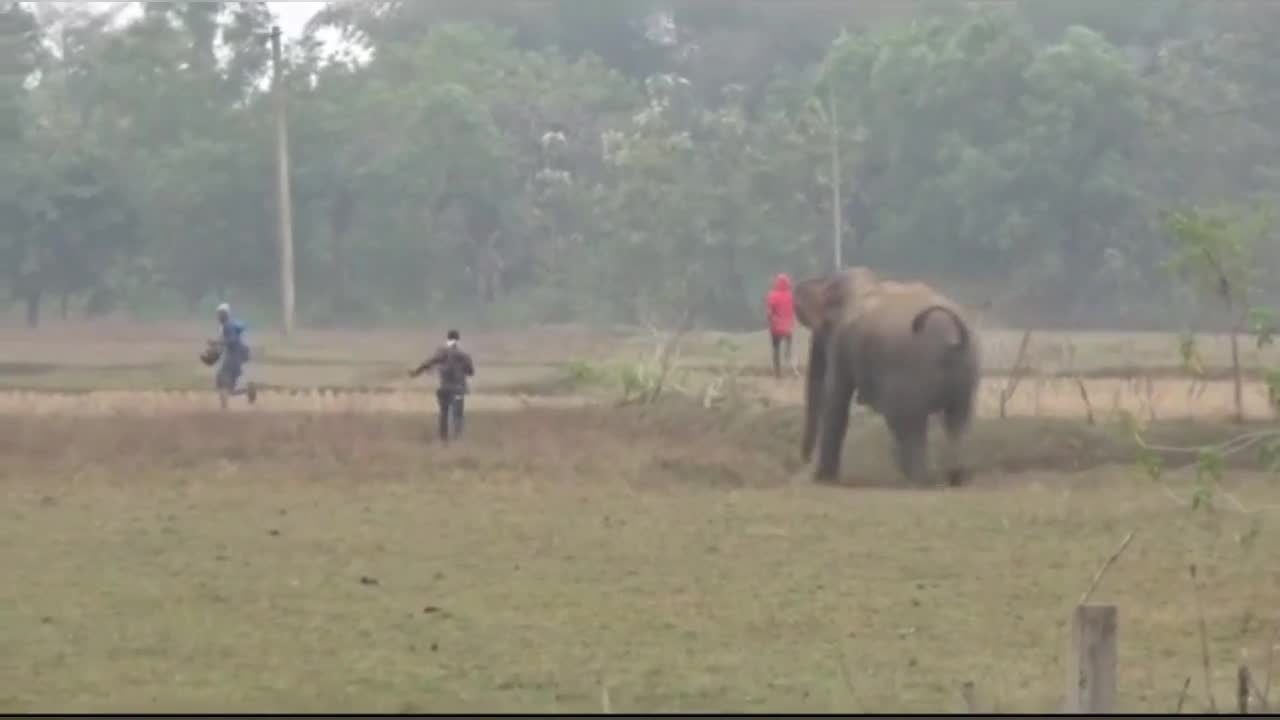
(816, 300)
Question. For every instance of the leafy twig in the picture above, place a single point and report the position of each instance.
(1234, 503)
(1229, 446)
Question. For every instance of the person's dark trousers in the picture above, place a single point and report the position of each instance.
(450, 399)
(777, 341)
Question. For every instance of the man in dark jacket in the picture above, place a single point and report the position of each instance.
(455, 367)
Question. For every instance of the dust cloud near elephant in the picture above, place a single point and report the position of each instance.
(906, 350)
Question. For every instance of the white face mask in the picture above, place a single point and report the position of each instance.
(452, 343)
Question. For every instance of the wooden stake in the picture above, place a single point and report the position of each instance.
(1091, 666)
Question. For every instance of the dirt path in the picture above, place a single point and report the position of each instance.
(1104, 398)
(155, 403)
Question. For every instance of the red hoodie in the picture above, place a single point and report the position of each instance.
(781, 309)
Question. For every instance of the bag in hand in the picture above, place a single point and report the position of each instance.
(212, 353)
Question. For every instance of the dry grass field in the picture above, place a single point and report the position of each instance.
(321, 552)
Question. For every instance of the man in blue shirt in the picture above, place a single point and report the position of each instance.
(235, 353)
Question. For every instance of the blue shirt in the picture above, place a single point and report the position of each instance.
(233, 342)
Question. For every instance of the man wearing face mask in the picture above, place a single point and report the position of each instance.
(455, 367)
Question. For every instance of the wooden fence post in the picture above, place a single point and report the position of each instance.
(1091, 666)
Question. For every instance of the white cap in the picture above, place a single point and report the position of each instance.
(224, 308)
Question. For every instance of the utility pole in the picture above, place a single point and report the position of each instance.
(284, 197)
(837, 212)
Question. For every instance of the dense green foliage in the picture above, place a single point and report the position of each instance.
(627, 160)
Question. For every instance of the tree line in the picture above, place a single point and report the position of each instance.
(627, 161)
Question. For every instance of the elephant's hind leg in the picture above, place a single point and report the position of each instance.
(910, 437)
(955, 421)
(835, 424)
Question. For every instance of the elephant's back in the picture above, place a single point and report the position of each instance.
(889, 316)
(895, 306)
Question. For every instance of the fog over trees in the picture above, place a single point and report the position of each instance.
(510, 163)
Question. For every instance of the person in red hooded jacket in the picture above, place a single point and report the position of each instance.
(781, 319)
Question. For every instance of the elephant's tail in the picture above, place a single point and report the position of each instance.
(962, 329)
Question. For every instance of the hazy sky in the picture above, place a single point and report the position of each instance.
(292, 15)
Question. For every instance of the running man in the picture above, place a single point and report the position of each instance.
(455, 367)
(235, 353)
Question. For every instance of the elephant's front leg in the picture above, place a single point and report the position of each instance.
(910, 436)
(814, 390)
(835, 422)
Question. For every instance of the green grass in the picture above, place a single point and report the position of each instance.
(674, 560)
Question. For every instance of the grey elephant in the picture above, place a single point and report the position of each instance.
(904, 348)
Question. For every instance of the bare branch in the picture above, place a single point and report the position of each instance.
(1264, 694)
(970, 698)
(1242, 690)
(845, 675)
(606, 707)
(1182, 696)
(669, 351)
(1205, 660)
(1006, 393)
(1097, 577)
(1084, 395)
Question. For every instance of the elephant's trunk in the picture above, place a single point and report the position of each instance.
(814, 382)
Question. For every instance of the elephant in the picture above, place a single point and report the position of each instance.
(905, 349)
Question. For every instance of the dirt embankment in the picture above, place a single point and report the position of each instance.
(667, 443)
